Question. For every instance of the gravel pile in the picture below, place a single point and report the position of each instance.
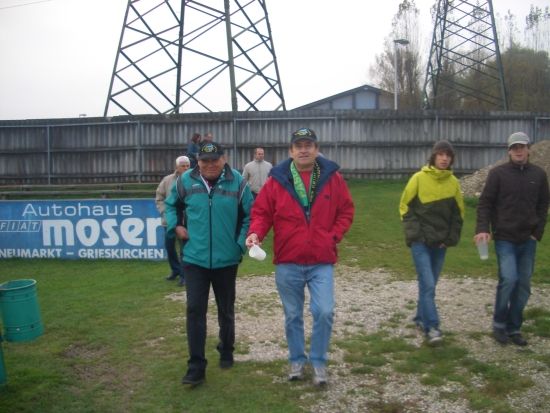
(473, 184)
(367, 302)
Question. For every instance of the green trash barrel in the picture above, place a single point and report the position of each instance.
(20, 311)
(2, 368)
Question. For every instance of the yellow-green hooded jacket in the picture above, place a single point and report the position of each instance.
(432, 208)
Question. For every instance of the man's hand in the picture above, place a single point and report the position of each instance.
(251, 240)
(181, 232)
(482, 237)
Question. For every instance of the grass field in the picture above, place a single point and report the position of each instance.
(113, 343)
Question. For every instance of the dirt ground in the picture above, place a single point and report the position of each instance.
(368, 302)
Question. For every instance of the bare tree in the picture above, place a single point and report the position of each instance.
(537, 29)
(508, 31)
(409, 66)
(536, 32)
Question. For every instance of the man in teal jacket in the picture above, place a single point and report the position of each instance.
(209, 208)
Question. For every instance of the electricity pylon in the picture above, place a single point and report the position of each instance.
(179, 56)
(464, 69)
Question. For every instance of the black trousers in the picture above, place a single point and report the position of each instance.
(198, 281)
(172, 245)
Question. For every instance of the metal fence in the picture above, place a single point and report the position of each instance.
(366, 144)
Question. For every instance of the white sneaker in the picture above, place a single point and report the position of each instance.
(434, 336)
(320, 376)
(296, 372)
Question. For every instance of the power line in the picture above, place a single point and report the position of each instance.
(25, 4)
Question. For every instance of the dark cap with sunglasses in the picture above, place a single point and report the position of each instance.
(210, 150)
(303, 134)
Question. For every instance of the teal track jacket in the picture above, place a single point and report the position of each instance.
(217, 221)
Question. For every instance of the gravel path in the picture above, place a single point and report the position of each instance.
(367, 302)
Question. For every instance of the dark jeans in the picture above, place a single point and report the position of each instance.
(171, 245)
(223, 282)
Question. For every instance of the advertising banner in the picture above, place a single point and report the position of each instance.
(81, 229)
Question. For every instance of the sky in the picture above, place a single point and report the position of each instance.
(57, 56)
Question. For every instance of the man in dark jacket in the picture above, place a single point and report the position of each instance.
(308, 203)
(513, 208)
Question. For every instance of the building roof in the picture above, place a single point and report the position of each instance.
(351, 92)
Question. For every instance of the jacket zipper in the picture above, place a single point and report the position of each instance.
(210, 223)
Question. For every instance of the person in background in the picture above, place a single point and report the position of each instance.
(432, 214)
(309, 206)
(193, 149)
(208, 137)
(210, 208)
(257, 171)
(174, 260)
(513, 207)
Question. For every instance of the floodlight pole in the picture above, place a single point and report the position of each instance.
(402, 42)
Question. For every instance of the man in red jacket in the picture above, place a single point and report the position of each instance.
(308, 204)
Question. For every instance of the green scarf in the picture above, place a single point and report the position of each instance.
(306, 198)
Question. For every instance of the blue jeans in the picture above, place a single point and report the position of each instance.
(515, 267)
(428, 262)
(291, 281)
(171, 245)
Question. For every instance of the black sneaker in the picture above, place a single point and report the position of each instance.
(181, 282)
(193, 377)
(517, 339)
(500, 336)
(172, 277)
(226, 363)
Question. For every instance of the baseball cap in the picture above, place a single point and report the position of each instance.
(518, 137)
(303, 134)
(210, 150)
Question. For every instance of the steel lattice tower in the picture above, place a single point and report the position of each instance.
(179, 56)
(464, 69)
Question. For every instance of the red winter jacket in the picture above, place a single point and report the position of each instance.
(299, 239)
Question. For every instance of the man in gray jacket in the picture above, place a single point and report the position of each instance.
(257, 171)
(163, 190)
(512, 210)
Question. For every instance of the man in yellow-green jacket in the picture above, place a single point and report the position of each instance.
(432, 213)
